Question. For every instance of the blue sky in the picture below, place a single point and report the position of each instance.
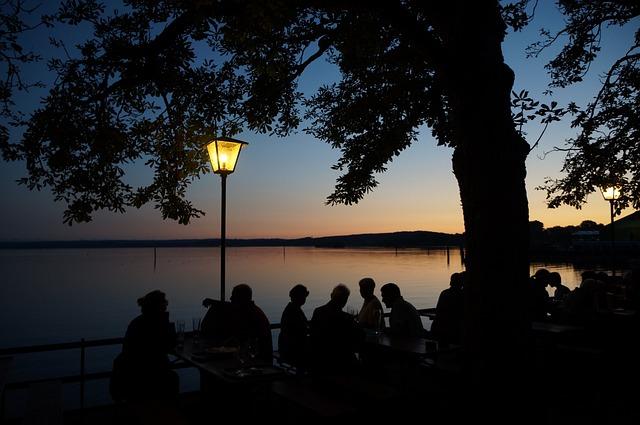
(265, 199)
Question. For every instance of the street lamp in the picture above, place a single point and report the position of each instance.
(224, 153)
(611, 194)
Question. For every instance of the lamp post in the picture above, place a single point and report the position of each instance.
(224, 153)
(611, 194)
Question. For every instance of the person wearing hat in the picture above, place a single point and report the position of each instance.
(294, 332)
(142, 371)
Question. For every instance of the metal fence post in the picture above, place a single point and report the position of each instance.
(82, 373)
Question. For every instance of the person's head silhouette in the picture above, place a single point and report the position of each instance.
(542, 277)
(241, 294)
(456, 281)
(555, 279)
(390, 293)
(155, 302)
(340, 295)
(298, 294)
(367, 285)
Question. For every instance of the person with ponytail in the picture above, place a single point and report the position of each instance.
(142, 371)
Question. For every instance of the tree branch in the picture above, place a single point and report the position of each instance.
(607, 82)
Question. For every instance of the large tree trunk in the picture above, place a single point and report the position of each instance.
(489, 164)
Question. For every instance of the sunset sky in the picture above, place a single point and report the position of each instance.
(279, 187)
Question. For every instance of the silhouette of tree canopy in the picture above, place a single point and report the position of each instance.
(14, 16)
(607, 149)
(140, 90)
(588, 225)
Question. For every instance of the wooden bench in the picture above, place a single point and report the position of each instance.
(44, 404)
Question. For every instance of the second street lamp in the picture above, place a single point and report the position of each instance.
(611, 194)
(224, 153)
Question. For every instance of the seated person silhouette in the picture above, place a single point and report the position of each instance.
(294, 329)
(585, 303)
(404, 319)
(555, 281)
(370, 315)
(538, 296)
(334, 335)
(142, 371)
(447, 325)
(215, 323)
(240, 322)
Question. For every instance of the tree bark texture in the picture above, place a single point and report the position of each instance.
(489, 164)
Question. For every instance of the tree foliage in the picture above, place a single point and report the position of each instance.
(14, 17)
(139, 89)
(606, 150)
(156, 79)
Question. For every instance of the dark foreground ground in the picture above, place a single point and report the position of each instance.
(572, 384)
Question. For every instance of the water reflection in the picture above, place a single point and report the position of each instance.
(63, 295)
(49, 296)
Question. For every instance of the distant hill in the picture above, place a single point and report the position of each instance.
(415, 239)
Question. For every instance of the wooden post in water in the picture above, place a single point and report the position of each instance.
(448, 256)
(155, 257)
(462, 255)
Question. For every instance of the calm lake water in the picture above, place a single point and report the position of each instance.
(62, 295)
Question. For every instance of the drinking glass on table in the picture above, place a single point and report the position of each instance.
(379, 323)
(353, 312)
(180, 328)
(243, 352)
(252, 348)
(195, 322)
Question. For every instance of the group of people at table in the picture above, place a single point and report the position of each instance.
(328, 341)
(332, 337)
(597, 296)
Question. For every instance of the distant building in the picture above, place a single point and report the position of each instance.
(627, 228)
(585, 236)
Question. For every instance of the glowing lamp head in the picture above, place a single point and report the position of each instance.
(610, 193)
(224, 153)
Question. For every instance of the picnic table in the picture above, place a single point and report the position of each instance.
(225, 363)
(412, 346)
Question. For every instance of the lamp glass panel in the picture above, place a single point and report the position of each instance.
(223, 155)
(610, 193)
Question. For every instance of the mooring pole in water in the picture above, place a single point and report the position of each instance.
(462, 255)
(448, 257)
(155, 257)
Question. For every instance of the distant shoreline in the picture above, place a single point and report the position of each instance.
(414, 239)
